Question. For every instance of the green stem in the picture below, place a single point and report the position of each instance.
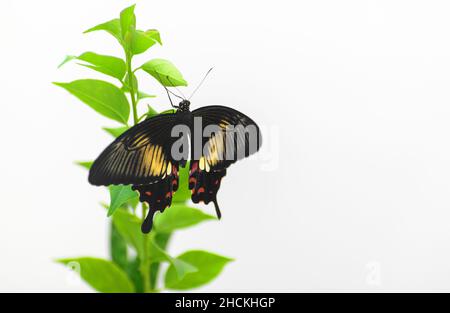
(162, 240)
(132, 91)
(145, 263)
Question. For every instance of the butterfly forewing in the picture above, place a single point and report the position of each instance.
(141, 155)
(234, 136)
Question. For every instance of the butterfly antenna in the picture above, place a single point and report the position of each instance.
(174, 94)
(169, 92)
(170, 99)
(184, 97)
(201, 83)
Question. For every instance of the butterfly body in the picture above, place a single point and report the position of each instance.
(149, 154)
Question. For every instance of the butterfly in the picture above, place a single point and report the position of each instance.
(148, 155)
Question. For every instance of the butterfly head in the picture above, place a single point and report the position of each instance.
(184, 106)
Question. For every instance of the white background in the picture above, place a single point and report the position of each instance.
(357, 91)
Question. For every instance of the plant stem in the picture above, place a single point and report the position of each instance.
(145, 263)
(163, 241)
(132, 91)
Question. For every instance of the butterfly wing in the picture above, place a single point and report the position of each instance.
(141, 157)
(233, 136)
(158, 195)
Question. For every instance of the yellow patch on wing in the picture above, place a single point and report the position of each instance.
(140, 141)
(223, 124)
(216, 149)
(203, 164)
(157, 162)
(154, 162)
(147, 159)
(169, 169)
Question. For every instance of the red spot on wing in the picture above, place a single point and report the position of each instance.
(194, 167)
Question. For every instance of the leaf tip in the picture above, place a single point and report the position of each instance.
(61, 261)
(87, 30)
(68, 58)
(58, 84)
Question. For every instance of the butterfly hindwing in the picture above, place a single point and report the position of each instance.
(205, 185)
(158, 195)
(235, 136)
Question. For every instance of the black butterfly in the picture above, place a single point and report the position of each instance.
(143, 157)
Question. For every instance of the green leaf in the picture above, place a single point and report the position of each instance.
(116, 132)
(169, 111)
(135, 275)
(112, 27)
(158, 254)
(102, 275)
(153, 33)
(133, 203)
(103, 97)
(151, 112)
(85, 164)
(118, 248)
(181, 267)
(208, 266)
(142, 41)
(105, 64)
(128, 23)
(179, 216)
(183, 193)
(161, 240)
(143, 95)
(129, 226)
(120, 194)
(67, 60)
(164, 72)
